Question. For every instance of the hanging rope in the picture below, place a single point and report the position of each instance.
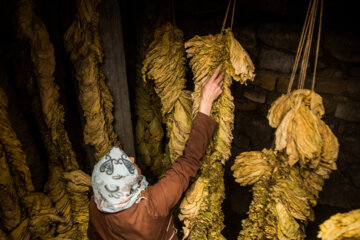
(305, 46)
(305, 60)
(226, 16)
(300, 48)
(317, 45)
(232, 15)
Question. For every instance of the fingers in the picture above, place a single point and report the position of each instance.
(220, 87)
(217, 92)
(206, 81)
(215, 76)
(219, 81)
(216, 72)
(219, 84)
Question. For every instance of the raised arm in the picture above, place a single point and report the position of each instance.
(167, 192)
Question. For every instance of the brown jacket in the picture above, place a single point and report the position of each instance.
(150, 218)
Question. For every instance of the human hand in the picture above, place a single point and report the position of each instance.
(210, 91)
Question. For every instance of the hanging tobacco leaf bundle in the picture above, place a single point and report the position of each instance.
(55, 189)
(204, 220)
(78, 185)
(82, 40)
(23, 130)
(249, 167)
(43, 217)
(15, 177)
(291, 177)
(24, 212)
(255, 168)
(300, 130)
(302, 134)
(179, 126)
(279, 197)
(9, 200)
(70, 193)
(196, 199)
(43, 58)
(341, 226)
(149, 131)
(40, 218)
(16, 158)
(165, 65)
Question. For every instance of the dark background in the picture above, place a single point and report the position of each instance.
(268, 29)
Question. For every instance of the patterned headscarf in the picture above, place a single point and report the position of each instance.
(116, 183)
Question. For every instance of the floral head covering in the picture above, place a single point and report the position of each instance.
(116, 183)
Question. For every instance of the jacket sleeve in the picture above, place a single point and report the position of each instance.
(167, 192)
(91, 232)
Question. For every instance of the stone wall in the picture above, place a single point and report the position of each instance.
(272, 47)
(270, 30)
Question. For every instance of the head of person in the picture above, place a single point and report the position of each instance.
(116, 182)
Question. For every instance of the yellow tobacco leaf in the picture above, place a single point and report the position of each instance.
(249, 167)
(341, 226)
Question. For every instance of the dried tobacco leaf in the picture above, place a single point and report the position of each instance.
(287, 182)
(278, 108)
(82, 40)
(289, 190)
(194, 200)
(149, 131)
(43, 58)
(55, 186)
(55, 189)
(307, 137)
(278, 199)
(341, 226)
(15, 156)
(59, 146)
(21, 231)
(254, 226)
(78, 186)
(43, 217)
(165, 65)
(205, 54)
(249, 167)
(9, 200)
(287, 227)
(148, 111)
(299, 128)
(181, 125)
